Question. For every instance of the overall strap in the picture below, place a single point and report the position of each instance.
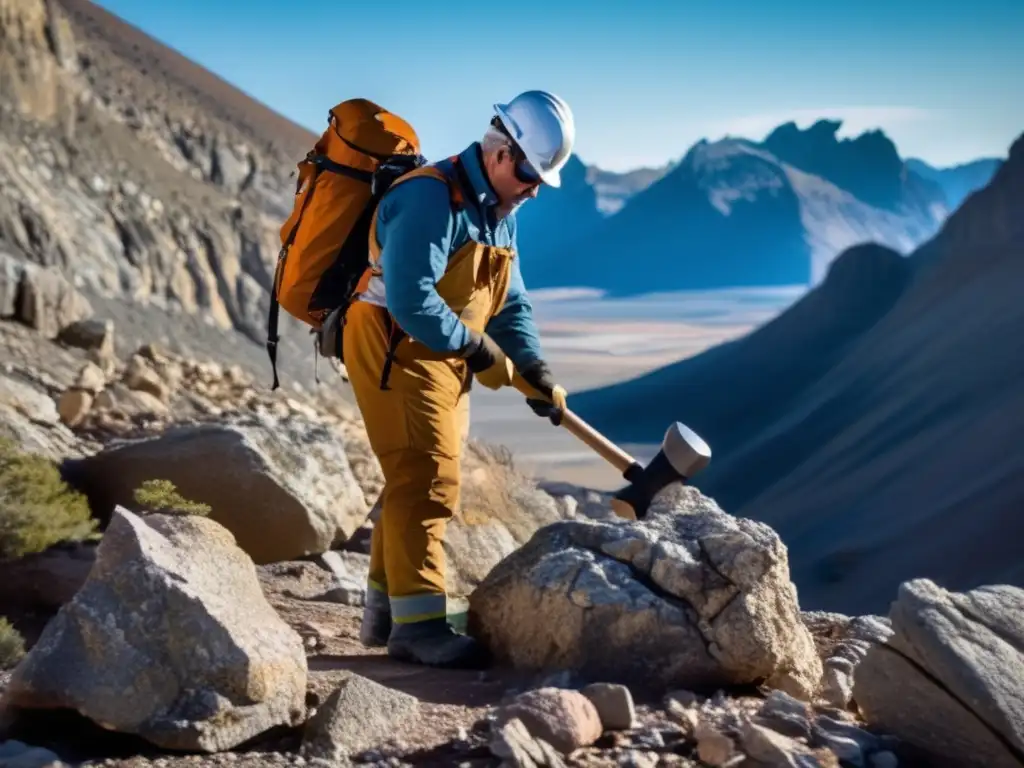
(457, 198)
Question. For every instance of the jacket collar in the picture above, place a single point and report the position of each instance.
(472, 160)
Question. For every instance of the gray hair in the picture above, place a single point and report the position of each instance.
(493, 140)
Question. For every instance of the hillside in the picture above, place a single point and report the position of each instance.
(159, 187)
(957, 181)
(738, 213)
(878, 415)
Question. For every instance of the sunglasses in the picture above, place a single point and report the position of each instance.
(521, 168)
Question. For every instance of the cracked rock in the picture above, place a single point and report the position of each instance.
(855, 640)
(690, 597)
(513, 743)
(949, 680)
(786, 715)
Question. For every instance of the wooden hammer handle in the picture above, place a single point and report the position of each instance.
(610, 452)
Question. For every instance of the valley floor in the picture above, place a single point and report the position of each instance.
(593, 341)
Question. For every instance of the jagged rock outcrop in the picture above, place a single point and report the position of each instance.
(842, 643)
(170, 639)
(949, 681)
(868, 166)
(36, 44)
(178, 182)
(691, 597)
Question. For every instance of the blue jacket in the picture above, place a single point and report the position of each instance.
(418, 233)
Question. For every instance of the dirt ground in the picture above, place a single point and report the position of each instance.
(452, 728)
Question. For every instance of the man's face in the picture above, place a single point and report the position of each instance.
(513, 178)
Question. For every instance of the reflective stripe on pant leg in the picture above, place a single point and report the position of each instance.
(413, 608)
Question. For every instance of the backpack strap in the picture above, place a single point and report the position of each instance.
(457, 182)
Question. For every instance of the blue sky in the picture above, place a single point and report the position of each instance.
(645, 80)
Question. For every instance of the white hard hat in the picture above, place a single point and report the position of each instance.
(542, 125)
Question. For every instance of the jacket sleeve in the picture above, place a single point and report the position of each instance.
(514, 328)
(414, 232)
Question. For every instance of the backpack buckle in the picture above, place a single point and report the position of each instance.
(329, 335)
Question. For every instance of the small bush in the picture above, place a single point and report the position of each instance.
(37, 508)
(12, 646)
(163, 497)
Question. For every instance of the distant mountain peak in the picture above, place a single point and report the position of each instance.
(869, 165)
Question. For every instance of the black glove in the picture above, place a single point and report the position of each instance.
(480, 352)
(538, 376)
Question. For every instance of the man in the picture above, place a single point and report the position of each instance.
(445, 302)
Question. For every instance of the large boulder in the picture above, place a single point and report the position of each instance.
(950, 681)
(690, 597)
(282, 486)
(170, 638)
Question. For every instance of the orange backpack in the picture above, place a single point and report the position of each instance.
(324, 257)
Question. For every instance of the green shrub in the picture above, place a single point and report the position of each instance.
(37, 508)
(162, 496)
(12, 646)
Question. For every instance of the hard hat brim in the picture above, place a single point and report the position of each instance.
(552, 177)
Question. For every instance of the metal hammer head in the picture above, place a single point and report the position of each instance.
(683, 454)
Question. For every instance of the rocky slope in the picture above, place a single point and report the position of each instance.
(152, 185)
(679, 641)
(875, 432)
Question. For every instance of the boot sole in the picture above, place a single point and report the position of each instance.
(477, 661)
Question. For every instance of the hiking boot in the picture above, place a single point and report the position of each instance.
(434, 643)
(376, 625)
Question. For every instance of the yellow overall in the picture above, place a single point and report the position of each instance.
(417, 422)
